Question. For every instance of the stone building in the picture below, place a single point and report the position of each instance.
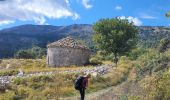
(67, 52)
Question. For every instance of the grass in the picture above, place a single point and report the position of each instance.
(54, 86)
(32, 66)
(61, 85)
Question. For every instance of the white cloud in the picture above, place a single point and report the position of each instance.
(135, 20)
(35, 10)
(76, 16)
(146, 16)
(86, 4)
(6, 22)
(118, 8)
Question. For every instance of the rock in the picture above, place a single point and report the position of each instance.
(8, 66)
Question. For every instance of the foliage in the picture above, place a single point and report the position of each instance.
(117, 36)
(151, 62)
(33, 53)
(95, 61)
(163, 44)
(8, 72)
(24, 54)
(97, 58)
(10, 95)
(135, 53)
(163, 87)
(158, 86)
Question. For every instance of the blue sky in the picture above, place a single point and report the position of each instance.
(66, 12)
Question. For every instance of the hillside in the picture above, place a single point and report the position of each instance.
(25, 36)
(22, 37)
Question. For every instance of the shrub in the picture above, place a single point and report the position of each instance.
(19, 81)
(48, 92)
(164, 44)
(135, 53)
(34, 52)
(23, 91)
(97, 58)
(42, 78)
(95, 61)
(36, 85)
(10, 95)
(163, 87)
(8, 72)
(150, 62)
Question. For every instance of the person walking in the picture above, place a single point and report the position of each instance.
(82, 83)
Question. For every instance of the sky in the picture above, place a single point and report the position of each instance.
(67, 12)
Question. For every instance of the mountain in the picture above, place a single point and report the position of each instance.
(25, 36)
(150, 36)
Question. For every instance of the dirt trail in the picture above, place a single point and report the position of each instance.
(119, 92)
(99, 95)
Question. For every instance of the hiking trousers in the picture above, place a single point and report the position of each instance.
(82, 93)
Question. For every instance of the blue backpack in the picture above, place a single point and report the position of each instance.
(78, 83)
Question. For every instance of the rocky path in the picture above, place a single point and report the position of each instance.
(102, 69)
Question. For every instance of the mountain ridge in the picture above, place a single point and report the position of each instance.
(24, 36)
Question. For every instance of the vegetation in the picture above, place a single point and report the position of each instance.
(33, 53)
(164, 44)
(117, 36)
(142, 74)
(148, 36)
(149, 69)
(60, 85)
(8, 72)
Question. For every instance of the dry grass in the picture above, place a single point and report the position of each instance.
(33, 65)
(59, 85)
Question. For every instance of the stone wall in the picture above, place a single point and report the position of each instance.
(63, 56)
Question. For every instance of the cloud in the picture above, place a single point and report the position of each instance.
(118, 8)
(86, 4)
(146, 16)
(135, 20)
(35, 10)
(6, 22)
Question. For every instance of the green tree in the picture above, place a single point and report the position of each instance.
(115, 35)
(32, 53)
(26, 54)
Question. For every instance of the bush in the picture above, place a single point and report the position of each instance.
(42, 78)
(95, 61)
(33, 53)
(163, 44)
(10, 95)
(151, 62)
(23, 91)
(8, 72)
(135, 53)
(19, 81)
(163, 87)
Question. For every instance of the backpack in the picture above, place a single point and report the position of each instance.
(78, 83)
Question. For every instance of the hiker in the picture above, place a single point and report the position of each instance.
(81, 84)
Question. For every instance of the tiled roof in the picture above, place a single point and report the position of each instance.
(67, 42)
